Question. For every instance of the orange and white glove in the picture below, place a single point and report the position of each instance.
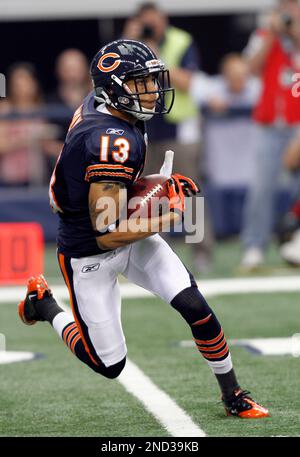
(188, 185)
(176, 196)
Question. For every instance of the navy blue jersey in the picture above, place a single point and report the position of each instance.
(98, 147)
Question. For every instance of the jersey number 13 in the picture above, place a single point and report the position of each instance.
(121, 150)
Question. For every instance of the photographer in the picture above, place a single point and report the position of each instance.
(273, 53)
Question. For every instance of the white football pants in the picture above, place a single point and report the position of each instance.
(95, 292)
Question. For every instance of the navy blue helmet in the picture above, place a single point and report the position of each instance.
(124, 60)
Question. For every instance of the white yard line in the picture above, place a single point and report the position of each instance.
(209, 288)
(249, 285)
(174, 419)
(165, 410)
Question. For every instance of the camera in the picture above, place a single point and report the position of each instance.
(147, 32)
(287, 20)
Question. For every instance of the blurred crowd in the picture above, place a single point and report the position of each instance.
(33, 124)
(239, 129)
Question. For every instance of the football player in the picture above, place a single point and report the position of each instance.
(104, 153)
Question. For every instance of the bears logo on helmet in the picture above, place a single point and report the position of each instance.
(113, 66)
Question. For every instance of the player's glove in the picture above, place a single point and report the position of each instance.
(176, 196)
(188, 185)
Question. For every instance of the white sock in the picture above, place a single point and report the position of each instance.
(60, 321)
(221, 367)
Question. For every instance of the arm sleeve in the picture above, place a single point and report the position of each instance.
(109, 157)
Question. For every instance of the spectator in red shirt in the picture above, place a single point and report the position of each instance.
(273, 53)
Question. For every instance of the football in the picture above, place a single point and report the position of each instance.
(145, 196)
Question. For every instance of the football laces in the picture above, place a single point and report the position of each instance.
(151, 194)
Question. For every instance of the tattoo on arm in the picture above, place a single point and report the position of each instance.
(110, 187)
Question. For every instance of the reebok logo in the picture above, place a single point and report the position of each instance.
(90, 268)
(114, 131)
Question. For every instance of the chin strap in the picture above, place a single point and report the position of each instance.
(146, 115)
(102, 97)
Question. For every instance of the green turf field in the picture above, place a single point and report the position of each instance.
(57, 396)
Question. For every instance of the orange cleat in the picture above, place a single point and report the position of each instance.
(244, 406)
(37, 288)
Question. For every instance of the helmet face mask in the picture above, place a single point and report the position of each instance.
(126, 60)
(161, 80)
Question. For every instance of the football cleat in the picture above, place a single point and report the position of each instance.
(244, 406)
(37, 288)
